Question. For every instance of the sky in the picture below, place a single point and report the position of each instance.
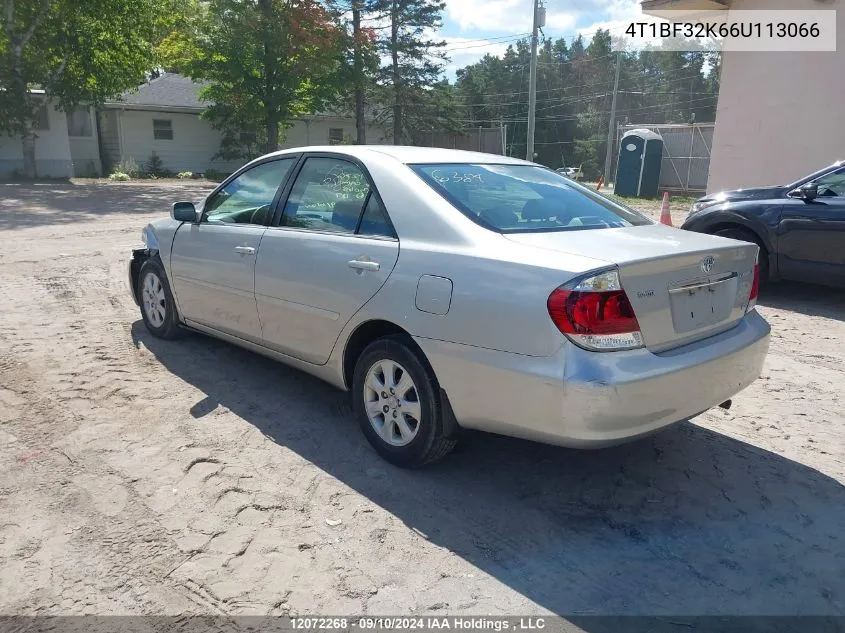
(473, 28)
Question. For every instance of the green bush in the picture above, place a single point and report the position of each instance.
(119, 176)
(185, 175)
(129, 167)
(154, 167)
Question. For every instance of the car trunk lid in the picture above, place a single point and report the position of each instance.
(683, 286)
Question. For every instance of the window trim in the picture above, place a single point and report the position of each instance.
(337, 142)
(275, 222)
(170, 123)
(248, 167)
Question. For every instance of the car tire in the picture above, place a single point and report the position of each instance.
(747, 236)
(389, 375)
(158, 309)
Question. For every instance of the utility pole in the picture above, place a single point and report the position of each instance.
(539, 20)
(612, 120)
(358, 71)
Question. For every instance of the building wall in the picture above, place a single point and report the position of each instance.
(315, 131)
(780, 116)
(195, 141)
(52, 150)
(193, 145)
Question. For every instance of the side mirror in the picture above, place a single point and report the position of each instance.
(184, 212)
(808, 192)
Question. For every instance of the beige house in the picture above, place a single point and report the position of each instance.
(163, 116)
(65, 145)
(780, 116)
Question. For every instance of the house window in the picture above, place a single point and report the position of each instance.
(42, 120)
(163, 129)
(79, 122)
(335, 135)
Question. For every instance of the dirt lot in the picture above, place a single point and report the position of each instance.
(140, 476)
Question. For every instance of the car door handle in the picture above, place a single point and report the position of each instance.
(245, 250)
(363, 265)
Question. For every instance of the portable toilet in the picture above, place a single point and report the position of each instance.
(638, 169)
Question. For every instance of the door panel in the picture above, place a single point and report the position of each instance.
(213, 282)
(307, 290)
(334, 250)
(811, 234)
(213, 262)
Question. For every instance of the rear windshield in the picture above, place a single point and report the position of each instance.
(519, 198)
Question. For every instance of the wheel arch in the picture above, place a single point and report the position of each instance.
(760, 238)
(374, 329)
(718, 221)
(367, 332)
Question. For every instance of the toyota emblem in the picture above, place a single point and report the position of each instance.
(707, 263)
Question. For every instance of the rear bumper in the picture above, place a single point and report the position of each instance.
(586, 399)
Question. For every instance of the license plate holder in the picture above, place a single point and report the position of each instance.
(701, 305)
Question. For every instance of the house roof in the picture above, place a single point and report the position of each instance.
(169, 90)
(172, 92)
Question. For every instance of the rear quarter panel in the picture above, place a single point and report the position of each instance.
(497, 303)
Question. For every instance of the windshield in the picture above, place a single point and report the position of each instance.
(518, 198)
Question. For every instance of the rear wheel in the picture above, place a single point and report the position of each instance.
(157, 307)
(395, 398)
(747, 236)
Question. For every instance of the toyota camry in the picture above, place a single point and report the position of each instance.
(451, 290)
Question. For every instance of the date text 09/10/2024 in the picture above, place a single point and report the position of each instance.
(459, 623)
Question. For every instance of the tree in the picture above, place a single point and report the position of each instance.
(416, 61)
(360, 59)
(70, 52)
(265, 62)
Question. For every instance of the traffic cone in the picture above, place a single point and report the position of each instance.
(600, 183)
(665, 216)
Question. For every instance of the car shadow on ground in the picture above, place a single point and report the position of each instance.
(687, 522)
(808, 299)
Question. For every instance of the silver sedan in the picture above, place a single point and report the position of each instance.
(451, 290)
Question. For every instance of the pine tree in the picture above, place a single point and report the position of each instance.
(416, 61)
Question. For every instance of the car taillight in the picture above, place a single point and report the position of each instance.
(595, 313)
(755, 288)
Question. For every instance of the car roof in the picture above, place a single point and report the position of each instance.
(408, 154)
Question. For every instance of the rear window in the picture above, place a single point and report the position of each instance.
(521, 198)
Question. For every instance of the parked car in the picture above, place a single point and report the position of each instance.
(799, 227)
(449, 289)
(569, 172)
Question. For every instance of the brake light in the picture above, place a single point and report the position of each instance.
(595, 313)
(755, 288)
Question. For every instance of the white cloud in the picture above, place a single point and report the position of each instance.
(502, 16)
(622, 13)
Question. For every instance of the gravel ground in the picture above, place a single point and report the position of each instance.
(147, 477)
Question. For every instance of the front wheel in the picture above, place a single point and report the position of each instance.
(157, 306)
(395, 398)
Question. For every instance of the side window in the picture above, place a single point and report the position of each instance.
(328, 195)
(163, 129)
(249, 197)
(832, 184)
(374, 221)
